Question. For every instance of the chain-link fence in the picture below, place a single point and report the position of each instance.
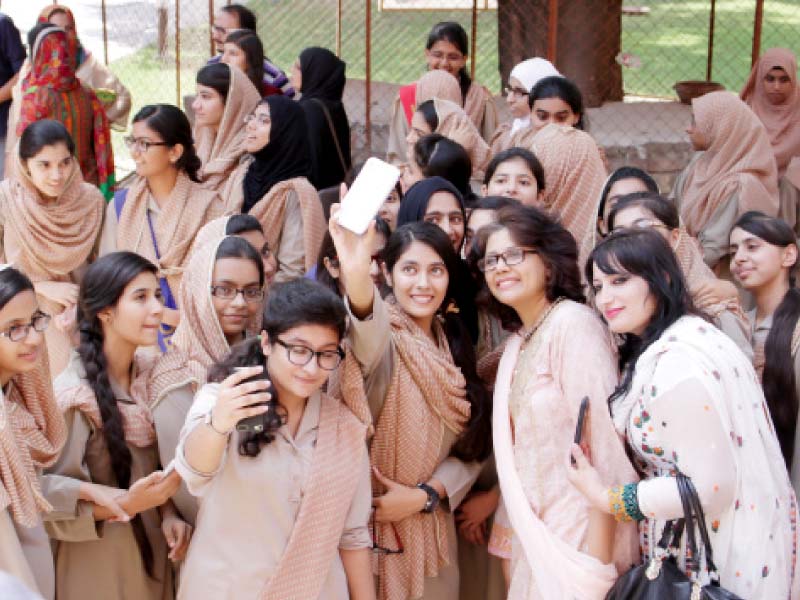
(615, 52)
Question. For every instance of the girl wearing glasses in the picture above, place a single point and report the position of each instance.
(533, 285)
(112, 520)
(50, 222)
(276, 188)
(764, 260)
(159, 216)
(222, 292)
(427, 404)
(524, 76)
(225, 96)
(716, 298)
(284, 511)
(32, 433)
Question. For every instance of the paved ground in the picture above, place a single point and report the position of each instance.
(131, 23)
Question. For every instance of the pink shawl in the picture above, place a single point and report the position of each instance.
(782, 121)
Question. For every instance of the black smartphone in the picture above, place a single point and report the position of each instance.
(257, 423)
(581, 422)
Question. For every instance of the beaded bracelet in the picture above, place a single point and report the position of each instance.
(624, 503)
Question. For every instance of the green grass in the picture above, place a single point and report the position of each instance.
(671, 42)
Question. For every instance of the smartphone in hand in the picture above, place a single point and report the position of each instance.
(256, 423)
(584, 408)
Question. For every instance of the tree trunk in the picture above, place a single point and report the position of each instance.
(587, 42)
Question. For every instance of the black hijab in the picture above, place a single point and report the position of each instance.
(286, 154)
(415, 201)
(413, 208)
(323, 80)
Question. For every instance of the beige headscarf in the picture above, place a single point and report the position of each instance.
(49, 240)
(270, 213)
(782, 121)
(475, 103)
(198, 341)
(457, 126)
(574, 176)
(426, 395)
(739, 160)
(73, 391)
(32, 433)
(437, 84)
(332, 482)
(221, 151)
(189, 208)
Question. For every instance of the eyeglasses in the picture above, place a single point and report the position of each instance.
(301, 355)
(509, 90)
(380, 549)
(260, 119)
(511, 256)
(227, 292)
(141, 145)
(17, 333)
(644, 223)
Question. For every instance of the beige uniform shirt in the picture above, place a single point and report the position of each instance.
(248, 508)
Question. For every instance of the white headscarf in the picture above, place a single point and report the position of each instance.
(529, 72)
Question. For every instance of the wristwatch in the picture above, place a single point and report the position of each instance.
(433, 498)
(207, 420)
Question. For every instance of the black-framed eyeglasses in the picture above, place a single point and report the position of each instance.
(301, 355)
(141, 145)
(377, 548)
(509, 89)
(228, 292)
(511, 256)
(17, 333)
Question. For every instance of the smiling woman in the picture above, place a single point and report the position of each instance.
(28, 412)
(533, 285)
(50, 222)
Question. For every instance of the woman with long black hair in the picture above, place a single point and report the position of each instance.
(690, 402)
(429, 408)
(764, 259)
(113, 526)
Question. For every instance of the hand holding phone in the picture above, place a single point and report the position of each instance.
(367, 194)
(579, 428)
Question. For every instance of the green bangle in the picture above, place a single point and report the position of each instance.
(630, 497)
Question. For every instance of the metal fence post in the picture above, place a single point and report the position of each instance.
(473, 39)
(178, 53)
(712, 17)
(105, 30)
(211, 27)
(757, 24)
(368, 76)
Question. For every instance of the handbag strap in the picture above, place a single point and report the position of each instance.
(692, 563)
(703, 527)
(333, 133)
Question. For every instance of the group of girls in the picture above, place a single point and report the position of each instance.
(187, 413)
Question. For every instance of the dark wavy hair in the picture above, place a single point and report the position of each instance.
(216, 76)
(778, 379)
(173, 126)
(643, 253)
(328, 250)
(39, 134)
(245, 16)
(475, 442)
(249, 43)
(528, 157)
(450, 31)
(532, 228)
(438, 155)
(428, 112)
(102, 287)
(242, 223)
(625, 173)
(557, 86)
(289, 305)
(662, 208)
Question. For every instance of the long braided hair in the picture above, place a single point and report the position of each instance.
(102, 287)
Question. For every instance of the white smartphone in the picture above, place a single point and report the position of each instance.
(367, 194)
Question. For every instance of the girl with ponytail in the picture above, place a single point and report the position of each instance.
(430, 411)
(764, 257)
(112, 520)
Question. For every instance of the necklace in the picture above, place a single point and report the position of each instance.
(539, 322)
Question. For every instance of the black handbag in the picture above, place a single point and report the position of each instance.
(662, 578)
